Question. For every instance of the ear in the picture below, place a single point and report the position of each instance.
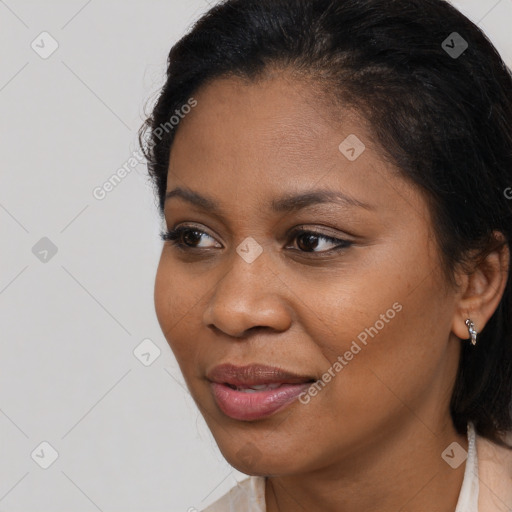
(481, 289)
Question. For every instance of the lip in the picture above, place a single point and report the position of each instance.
(256, 404)
(254, 375)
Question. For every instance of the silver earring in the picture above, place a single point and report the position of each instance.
(472, 331)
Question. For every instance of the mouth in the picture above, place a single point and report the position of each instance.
(253, 392)
(256, 388)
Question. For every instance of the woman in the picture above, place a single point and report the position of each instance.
(335, 279)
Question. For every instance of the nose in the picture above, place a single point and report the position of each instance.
(248, 296)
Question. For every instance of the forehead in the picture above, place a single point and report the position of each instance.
(253, 141)
(235, 118)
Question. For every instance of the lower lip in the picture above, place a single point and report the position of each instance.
(240, 405)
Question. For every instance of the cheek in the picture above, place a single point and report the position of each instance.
(386, 297)
(384, 332)
(177, 301)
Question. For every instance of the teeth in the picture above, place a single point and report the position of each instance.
(259, 387)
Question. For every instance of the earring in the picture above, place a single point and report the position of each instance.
(472, 331)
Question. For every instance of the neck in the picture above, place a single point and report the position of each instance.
(402, 470)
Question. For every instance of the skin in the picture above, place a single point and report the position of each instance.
(372, 439)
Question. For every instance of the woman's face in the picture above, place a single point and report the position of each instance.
(358, 303)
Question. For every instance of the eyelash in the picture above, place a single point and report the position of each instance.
(174, 235)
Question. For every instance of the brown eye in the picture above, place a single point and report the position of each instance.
(189, 238)
(309, 241)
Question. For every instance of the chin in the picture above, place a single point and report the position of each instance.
(262, 467)
(258, 458)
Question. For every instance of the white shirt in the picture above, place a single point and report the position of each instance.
(249, 494)
(468, 497)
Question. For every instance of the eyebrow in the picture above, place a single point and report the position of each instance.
(286, 204)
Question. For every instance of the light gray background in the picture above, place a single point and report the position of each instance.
(128, 436)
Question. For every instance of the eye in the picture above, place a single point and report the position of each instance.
(311, 241)
(187, 237)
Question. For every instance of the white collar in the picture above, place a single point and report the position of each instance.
(468, 497)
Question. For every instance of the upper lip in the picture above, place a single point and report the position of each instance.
(254, 375)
